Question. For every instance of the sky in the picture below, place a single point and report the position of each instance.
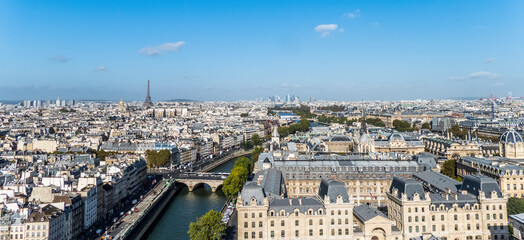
(242, 50)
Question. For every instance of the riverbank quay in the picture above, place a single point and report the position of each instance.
(146, 209)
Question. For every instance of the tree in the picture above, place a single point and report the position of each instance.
(402, 126)
(426, 126)
(449, 168)
(515, 205)
(244, 162)
(157, 158)
(207, 227)
(256, 152)
(256, 139)
(244, 115)
(246, 145)
(52, 130)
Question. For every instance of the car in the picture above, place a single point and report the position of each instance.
(130, 212)
(115, 219)
(121, 213)
(134, 201)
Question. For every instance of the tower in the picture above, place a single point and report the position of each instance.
(148, 102)
(275, 139)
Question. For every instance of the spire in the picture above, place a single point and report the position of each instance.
(148, 101)
(364, 125)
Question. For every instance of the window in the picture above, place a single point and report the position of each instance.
(346, 212)
(339, 221)
(260, 235)
(455, 217)
(416, 218)
(416, 228)
(469, 227)
(272, 223)
(321, 232)
(310, 232)
(442, 217)
(296, 214)
(423, 219)
(320, 222)
(443, 228)
(296, 233)
(477, 216)
(246, 225)
(456, 227)
(409, 219)
(409, 210)
(410, 229)
(434, 228)
(332, 221)
(296, 223)
(467, 216)
(253, 235)
(340, 232)
(423, 228)
(310, 222)
(347, 231)
(332, 212)
(246, 235)
(282, 223)
(282, 233)
(332, 232)
(260, 215)
(347, 221)
(271, 213)
(252, 215)
(272, 234)
(500, 216)
(245, 215)
(494, 216)
(433, 218)
(260, 224)
(253, 224)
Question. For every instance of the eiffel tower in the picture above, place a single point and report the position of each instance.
(148, 102)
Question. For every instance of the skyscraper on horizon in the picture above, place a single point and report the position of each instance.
(148, 102)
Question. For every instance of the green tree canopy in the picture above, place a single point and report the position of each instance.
(402, 126)
(515, 205)
(157, 158)
(426, 126)
(207, 227)
(244, 162)
(449, 168)
(256, 139)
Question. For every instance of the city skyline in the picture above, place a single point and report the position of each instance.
(245, 50)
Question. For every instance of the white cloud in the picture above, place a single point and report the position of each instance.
(60, 58)
(375, 24)
(161, 49)
(489, 60)
(101, 69)
(326, 29)
(353, 14)
(476, 75)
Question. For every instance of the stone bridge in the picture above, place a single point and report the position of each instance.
(196, 180)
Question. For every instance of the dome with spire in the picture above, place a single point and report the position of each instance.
(511, 136)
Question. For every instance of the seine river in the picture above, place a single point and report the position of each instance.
(186, 207)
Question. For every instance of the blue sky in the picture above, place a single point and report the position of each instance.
(232, 50)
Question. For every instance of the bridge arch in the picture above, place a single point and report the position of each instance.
(198, 183)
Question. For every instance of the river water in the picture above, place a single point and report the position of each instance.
(185, 207)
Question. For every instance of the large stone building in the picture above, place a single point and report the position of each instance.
(396, 142)
(476, 211)
(366, 179)
(265, 211)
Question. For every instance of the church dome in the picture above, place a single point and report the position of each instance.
(396, 137)
(511, 136)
